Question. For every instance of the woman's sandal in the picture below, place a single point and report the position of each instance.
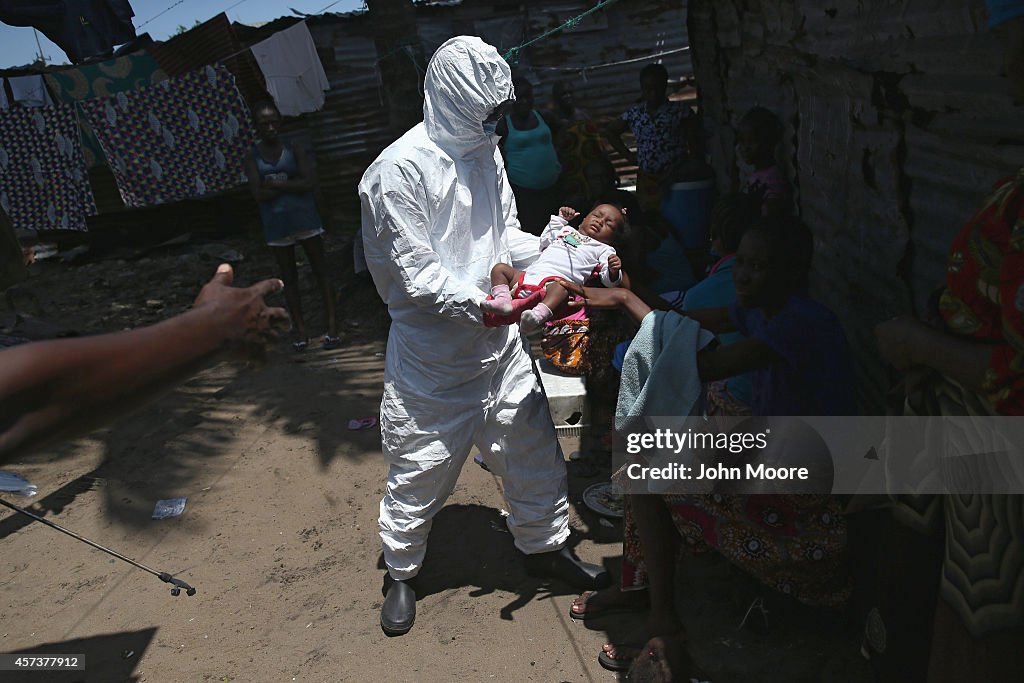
(589, 612)
(627, 652)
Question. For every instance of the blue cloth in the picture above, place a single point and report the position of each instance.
(659, 375)
(815, 375)
(530, 156)
(289, 213)
(669, 261)
(717, 291)
(1001, 11)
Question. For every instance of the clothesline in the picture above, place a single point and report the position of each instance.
(512, 56)
(605, 65)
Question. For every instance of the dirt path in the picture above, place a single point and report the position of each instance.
(279, 536)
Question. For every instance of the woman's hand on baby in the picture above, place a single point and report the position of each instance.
(591, 297)
(568, 213)
(571, 287)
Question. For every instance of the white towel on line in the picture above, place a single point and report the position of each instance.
(295, 77)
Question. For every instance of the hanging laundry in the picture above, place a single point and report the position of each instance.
(123, 74)
(292, 69)
(84, 29)
(183, 137)
(30, 91)
(43, 180)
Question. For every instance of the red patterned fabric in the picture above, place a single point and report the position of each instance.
(793, 544)
(984, 297)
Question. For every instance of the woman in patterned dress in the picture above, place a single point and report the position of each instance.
(971, 363)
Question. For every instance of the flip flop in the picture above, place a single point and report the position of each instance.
(300, 345)
(601, 611)
(619, 664)
(331, 343)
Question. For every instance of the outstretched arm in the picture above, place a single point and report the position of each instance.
(54, 388)
(712, 364)
(716, 320)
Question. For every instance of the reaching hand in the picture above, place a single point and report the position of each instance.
(568, 213)
(242, 314)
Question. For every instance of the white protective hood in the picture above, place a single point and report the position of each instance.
(466, 79)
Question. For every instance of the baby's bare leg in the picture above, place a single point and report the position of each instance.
(503, 274)
(503, 277)
(555, 296)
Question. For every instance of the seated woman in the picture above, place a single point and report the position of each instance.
(801, 365)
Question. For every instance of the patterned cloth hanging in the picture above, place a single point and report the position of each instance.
(122, 74)
(43, 181)
(183, 137)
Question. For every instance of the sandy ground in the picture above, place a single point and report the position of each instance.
(279, 535)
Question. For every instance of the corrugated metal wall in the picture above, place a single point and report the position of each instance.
(353, 126)
(897, 123)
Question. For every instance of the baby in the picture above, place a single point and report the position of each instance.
(567, 253)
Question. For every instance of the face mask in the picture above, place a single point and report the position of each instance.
(491, 132)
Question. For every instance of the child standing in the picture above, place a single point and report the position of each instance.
(759, 133)
(574, 255)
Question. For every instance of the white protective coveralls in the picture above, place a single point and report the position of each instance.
(437, 214)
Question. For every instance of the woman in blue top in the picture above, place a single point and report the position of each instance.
(281, 181)
(531, 160)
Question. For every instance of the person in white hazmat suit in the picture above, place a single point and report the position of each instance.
(437, 213)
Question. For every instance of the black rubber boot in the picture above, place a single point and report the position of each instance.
(563, 564)
(398, 613)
